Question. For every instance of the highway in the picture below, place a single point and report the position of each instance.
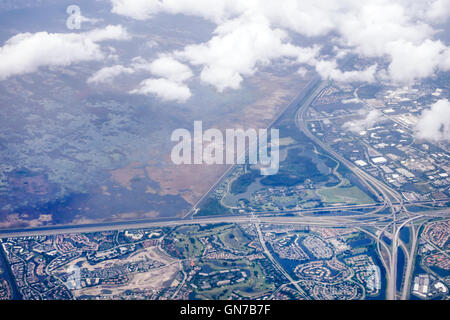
(348, 208)
(377, 188)
(386, 224)
(321, 220)
(293, 104)
(307, 220)
(274, 261)
(390, 199)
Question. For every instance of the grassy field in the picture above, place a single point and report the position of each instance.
(255, 285)
(284, 201)
(188, 239)
(348, 195)
(212, 207)
(235, 239)
(287, 141)
(190, 246)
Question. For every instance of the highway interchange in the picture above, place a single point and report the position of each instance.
(398, 218)
(379, 223)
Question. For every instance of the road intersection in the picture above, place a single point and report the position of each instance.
(374, 217)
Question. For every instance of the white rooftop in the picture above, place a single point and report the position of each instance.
(379, 160)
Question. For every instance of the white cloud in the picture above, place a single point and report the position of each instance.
(169, 68)
(108, 74)
(164, 89)
(371, 118)
(370, 26)
(434, 123)
(329, 70)
(108, 33)
(410, 62)
(215, 10)
(27, 52)
(438, 11)
(83, 19)
(169, 85)
(238, 47)
(308, 17)
(381, 29)
(136, 9)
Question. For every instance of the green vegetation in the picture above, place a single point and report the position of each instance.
(287, 141)
(285, 201)
(241, 184)
(369, 91)
(295, 170)
(256, 284)
(186, 242)
(329, 162)
(203, 231)
(190, 247)
(353, 180)
(352, 195)
(235, 238)
(212, 207)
